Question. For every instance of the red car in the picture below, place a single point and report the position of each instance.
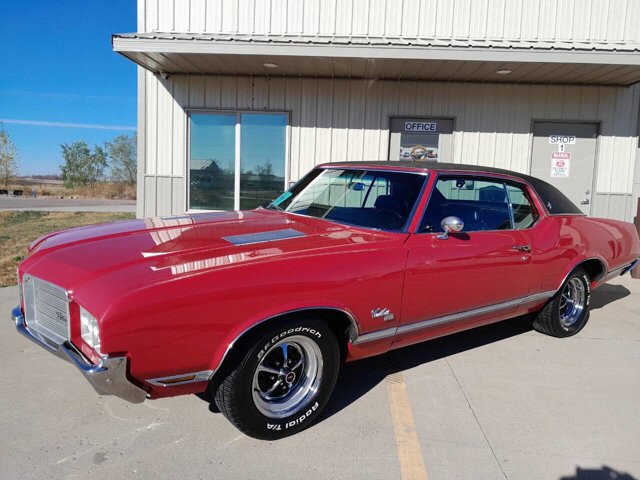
(356, 259)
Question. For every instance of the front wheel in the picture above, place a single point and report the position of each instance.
(284, 380)
(568, 310)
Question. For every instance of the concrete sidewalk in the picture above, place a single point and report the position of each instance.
(498, 402)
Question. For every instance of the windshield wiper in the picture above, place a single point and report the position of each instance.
(275, 206)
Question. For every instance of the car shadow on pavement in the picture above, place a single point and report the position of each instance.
(603, 473)
(358, 378)
(607, 293)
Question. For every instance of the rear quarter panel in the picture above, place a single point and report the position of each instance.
(560, 243)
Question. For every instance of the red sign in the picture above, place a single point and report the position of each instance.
(561, 155)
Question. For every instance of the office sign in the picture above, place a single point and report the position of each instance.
(420, 127)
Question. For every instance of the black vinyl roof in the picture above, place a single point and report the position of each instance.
(554, 200)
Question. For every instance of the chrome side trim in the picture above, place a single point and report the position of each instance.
(539, 296)
(202, 376)
(630, 267)
(108, 377)
(377, 335)
(619, 271)
(454, 317)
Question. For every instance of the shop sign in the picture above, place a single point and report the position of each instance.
(420, 127)
(562, 139)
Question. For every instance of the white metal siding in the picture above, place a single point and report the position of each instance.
(578, 20)
(337, 120)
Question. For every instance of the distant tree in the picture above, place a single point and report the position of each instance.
(266, 169)
(8, 163)
(81, 165)
(122, 152)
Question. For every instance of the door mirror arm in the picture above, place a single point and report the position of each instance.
(450, 225)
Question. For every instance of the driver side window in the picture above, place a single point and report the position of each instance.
(480, 203)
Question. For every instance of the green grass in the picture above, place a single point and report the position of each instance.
(19, 229)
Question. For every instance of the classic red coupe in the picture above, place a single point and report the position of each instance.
(356, 259)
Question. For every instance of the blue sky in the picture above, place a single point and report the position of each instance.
(58, 67)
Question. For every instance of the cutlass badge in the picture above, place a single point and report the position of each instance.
(383, 313)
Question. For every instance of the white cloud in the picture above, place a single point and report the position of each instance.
(43, 123)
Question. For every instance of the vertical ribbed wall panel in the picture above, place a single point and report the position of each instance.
(572, 20)
(335, 120)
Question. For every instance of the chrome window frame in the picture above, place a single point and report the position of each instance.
(521, 184)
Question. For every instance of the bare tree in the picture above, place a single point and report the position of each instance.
(265, 169)
(8, 163)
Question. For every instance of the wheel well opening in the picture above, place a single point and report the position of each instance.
(338, 321)
(594, 269)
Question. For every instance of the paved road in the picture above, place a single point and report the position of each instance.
(66, 205)
(498, 402)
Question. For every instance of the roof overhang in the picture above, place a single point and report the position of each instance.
(384, 58)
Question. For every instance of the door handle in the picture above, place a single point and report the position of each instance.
(522, 248)
(584, 202)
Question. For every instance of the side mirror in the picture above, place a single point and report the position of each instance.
(450, 225)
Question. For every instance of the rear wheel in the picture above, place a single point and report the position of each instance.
(283, 382)
(568, 310)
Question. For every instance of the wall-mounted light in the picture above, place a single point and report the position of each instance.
(504, 71)
(270, 65)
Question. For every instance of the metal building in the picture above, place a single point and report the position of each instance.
(239, 98)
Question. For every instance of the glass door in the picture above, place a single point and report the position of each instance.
(212, 162)
(237, 160)
(262, 158)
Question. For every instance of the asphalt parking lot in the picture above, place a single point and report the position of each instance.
(499, 402)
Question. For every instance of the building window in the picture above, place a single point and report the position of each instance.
(237, 161)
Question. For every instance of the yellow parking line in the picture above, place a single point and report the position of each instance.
(409, 452)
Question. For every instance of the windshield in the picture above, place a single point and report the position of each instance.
(366, 198)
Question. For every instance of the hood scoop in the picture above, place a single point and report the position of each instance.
(261, 237)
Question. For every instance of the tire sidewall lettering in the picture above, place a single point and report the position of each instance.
(297, 420)
(587, 284)
(312, 332)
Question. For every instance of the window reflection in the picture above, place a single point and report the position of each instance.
(212, 162)
(262, 158)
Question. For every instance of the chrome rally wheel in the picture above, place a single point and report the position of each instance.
(287, 376)
(572, 302)
(567, 312)
(280, 379)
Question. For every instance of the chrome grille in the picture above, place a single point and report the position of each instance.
(46, 309)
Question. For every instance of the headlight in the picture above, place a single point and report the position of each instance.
(89, 330)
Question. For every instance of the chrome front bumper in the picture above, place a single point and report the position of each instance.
(108, 377)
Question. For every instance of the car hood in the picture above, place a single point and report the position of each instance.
(125, 256)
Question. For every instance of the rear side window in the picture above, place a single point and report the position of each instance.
(524, 213)
(482, 204)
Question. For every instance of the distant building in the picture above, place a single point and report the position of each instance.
(537, 86)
